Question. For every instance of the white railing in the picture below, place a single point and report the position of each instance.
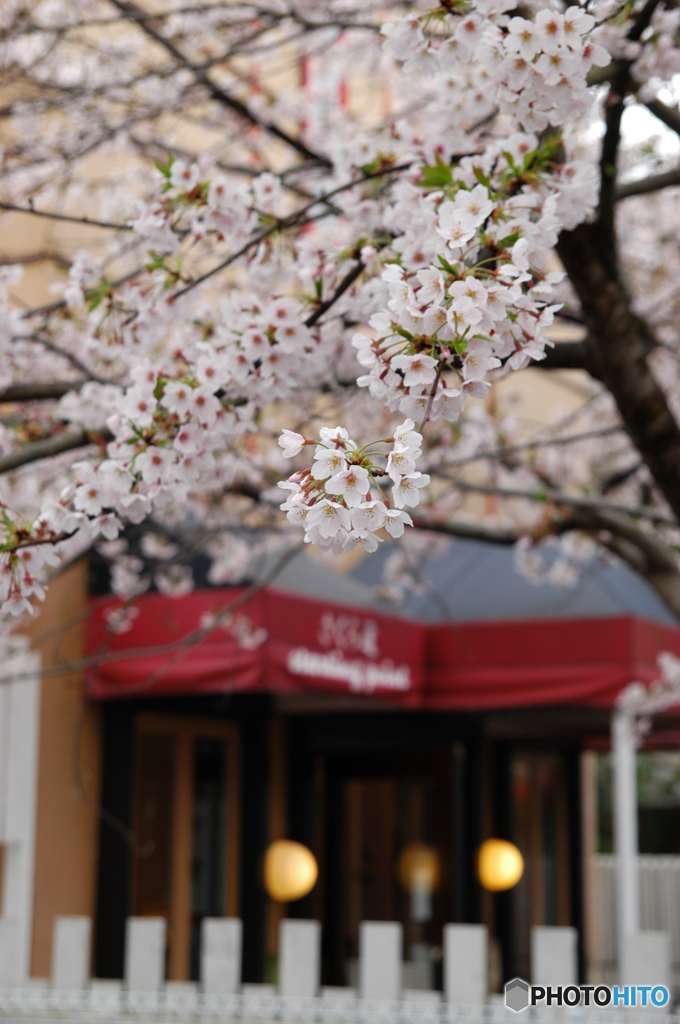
(659, 907)
(173, 1005)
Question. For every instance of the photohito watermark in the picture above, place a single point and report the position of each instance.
(519, 995)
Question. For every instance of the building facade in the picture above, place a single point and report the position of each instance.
(469, 709)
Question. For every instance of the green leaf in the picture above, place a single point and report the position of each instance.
(165, 168)
(95, 296)
(511, 162)
(404, 333)
(445, 265)
(508, 241)
(436, 177)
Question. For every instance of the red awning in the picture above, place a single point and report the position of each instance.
(278, 642)
(284, 643)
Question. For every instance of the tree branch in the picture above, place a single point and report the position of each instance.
(38, 392)
(347, 282)
(467, 530)
(642, 552)
(12, 207)
(565, 355)
(48, 448)
(652, 183)
(555, 497)
(515, 449)
(620, 342)
(608, 160)
(643, 20)
(129, 8)
(669, 115)
(294, 220)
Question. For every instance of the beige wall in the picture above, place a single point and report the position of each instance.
(68, 773)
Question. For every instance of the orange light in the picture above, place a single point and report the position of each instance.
(290, 870)
(418, 868)
(500, 865)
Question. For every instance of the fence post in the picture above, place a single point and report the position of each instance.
(625, 829)
(221, 940)
(646, 959)
(144, 954)
(71, 944)
(9, 959)
(466, 964)
(299, 958)
(554, 955)
(380, 954)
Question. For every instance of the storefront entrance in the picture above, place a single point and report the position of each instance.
(393, 804)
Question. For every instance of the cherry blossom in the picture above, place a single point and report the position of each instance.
(308, 262)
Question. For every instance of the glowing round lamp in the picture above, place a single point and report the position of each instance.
(500, 865)
(418, 867)
(290, 871)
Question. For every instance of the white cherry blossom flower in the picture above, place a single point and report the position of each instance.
(407, 436)
(407, 490)
(401, 461)
(418, 369)
(184, 176)
(395, 521)
(351, 484)
(328, 462)
(291, 443)
(328, 517)
(369, 515)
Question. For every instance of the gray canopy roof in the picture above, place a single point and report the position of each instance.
(469, 581)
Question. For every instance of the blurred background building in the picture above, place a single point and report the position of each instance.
(388, 720)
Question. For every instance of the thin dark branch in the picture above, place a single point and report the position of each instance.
(240, 108)
(565, 355)
(39, 391)
(652, 183)
(35, 257)
(469, 531)
(516, 449)
(643, 20)
(608, 160)
(347, 282)
(669, 115)
(47, 448)
(433, 392)
(295, 219)
(547, 495)
(64, 217)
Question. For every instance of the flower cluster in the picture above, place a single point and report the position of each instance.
(472, 288)
(340, 500)
(427, 233)
(537, 69)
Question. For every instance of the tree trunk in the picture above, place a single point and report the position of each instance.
(618, 345)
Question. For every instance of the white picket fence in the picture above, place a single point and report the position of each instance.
(659, 909)
(96, 1006)
(381, 995)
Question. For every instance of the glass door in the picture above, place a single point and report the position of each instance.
(185, 820)
(392, 868)
(540, 830)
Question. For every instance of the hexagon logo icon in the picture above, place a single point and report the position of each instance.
(517, 995)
